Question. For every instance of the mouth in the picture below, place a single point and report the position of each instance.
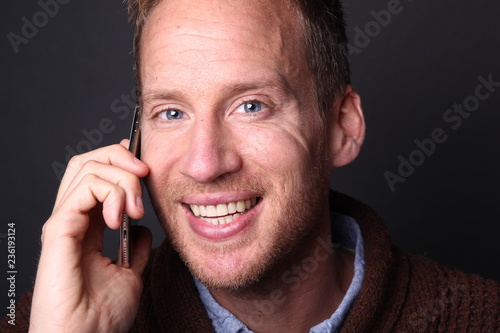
(223, 213)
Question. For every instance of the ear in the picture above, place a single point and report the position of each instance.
(347, 129)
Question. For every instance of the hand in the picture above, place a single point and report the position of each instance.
(77, 289)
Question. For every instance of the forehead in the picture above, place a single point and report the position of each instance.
(231, 19)
(196, 34)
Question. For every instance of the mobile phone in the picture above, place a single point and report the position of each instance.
(124, 254)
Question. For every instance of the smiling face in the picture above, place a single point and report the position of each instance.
(239, 172)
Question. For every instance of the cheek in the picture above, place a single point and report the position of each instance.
(278, 150)
(158, 154)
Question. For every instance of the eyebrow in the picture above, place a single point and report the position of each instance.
(278, 83)
(161, 95)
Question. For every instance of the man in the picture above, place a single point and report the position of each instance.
(245, 106)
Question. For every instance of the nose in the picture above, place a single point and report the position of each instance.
(211, 153)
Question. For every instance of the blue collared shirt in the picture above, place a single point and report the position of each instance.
(345, 233)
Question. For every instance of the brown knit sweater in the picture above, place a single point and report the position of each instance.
(400, 292)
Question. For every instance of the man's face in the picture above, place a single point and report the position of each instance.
(232, 135)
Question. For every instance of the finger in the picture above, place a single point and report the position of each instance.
(126, 180)
(116, 155)
(71, 219)
(64, 234)
(125, 143)
(141, 247)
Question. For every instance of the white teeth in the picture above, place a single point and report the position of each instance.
(196, 210)
(231, 208)
(220, 220)
(240, 206)
(210, 220)
(211, 211)
(222, 213)
(222, 210)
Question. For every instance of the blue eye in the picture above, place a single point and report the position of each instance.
(252, 107)
(172, 114)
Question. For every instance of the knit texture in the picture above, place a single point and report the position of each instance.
(400, 293)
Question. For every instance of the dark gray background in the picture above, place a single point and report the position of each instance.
(78, 67)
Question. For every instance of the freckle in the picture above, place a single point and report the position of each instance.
(177, 26)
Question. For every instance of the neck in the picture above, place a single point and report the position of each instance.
(301, 292)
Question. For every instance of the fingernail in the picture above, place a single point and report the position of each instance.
(139, 203)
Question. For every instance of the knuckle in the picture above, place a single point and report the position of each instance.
(90, 165)
(120, 191)
(128, 180)
(76, 161)
(90, 178)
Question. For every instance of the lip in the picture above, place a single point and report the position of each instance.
(224, 231)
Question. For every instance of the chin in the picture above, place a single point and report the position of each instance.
(230, 267)
(227, 276)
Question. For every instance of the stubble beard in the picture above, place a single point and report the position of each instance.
(301, 206)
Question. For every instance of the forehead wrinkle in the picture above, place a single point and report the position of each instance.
(239, 26)
(241, 38)
(266, 16)
(258, 45)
